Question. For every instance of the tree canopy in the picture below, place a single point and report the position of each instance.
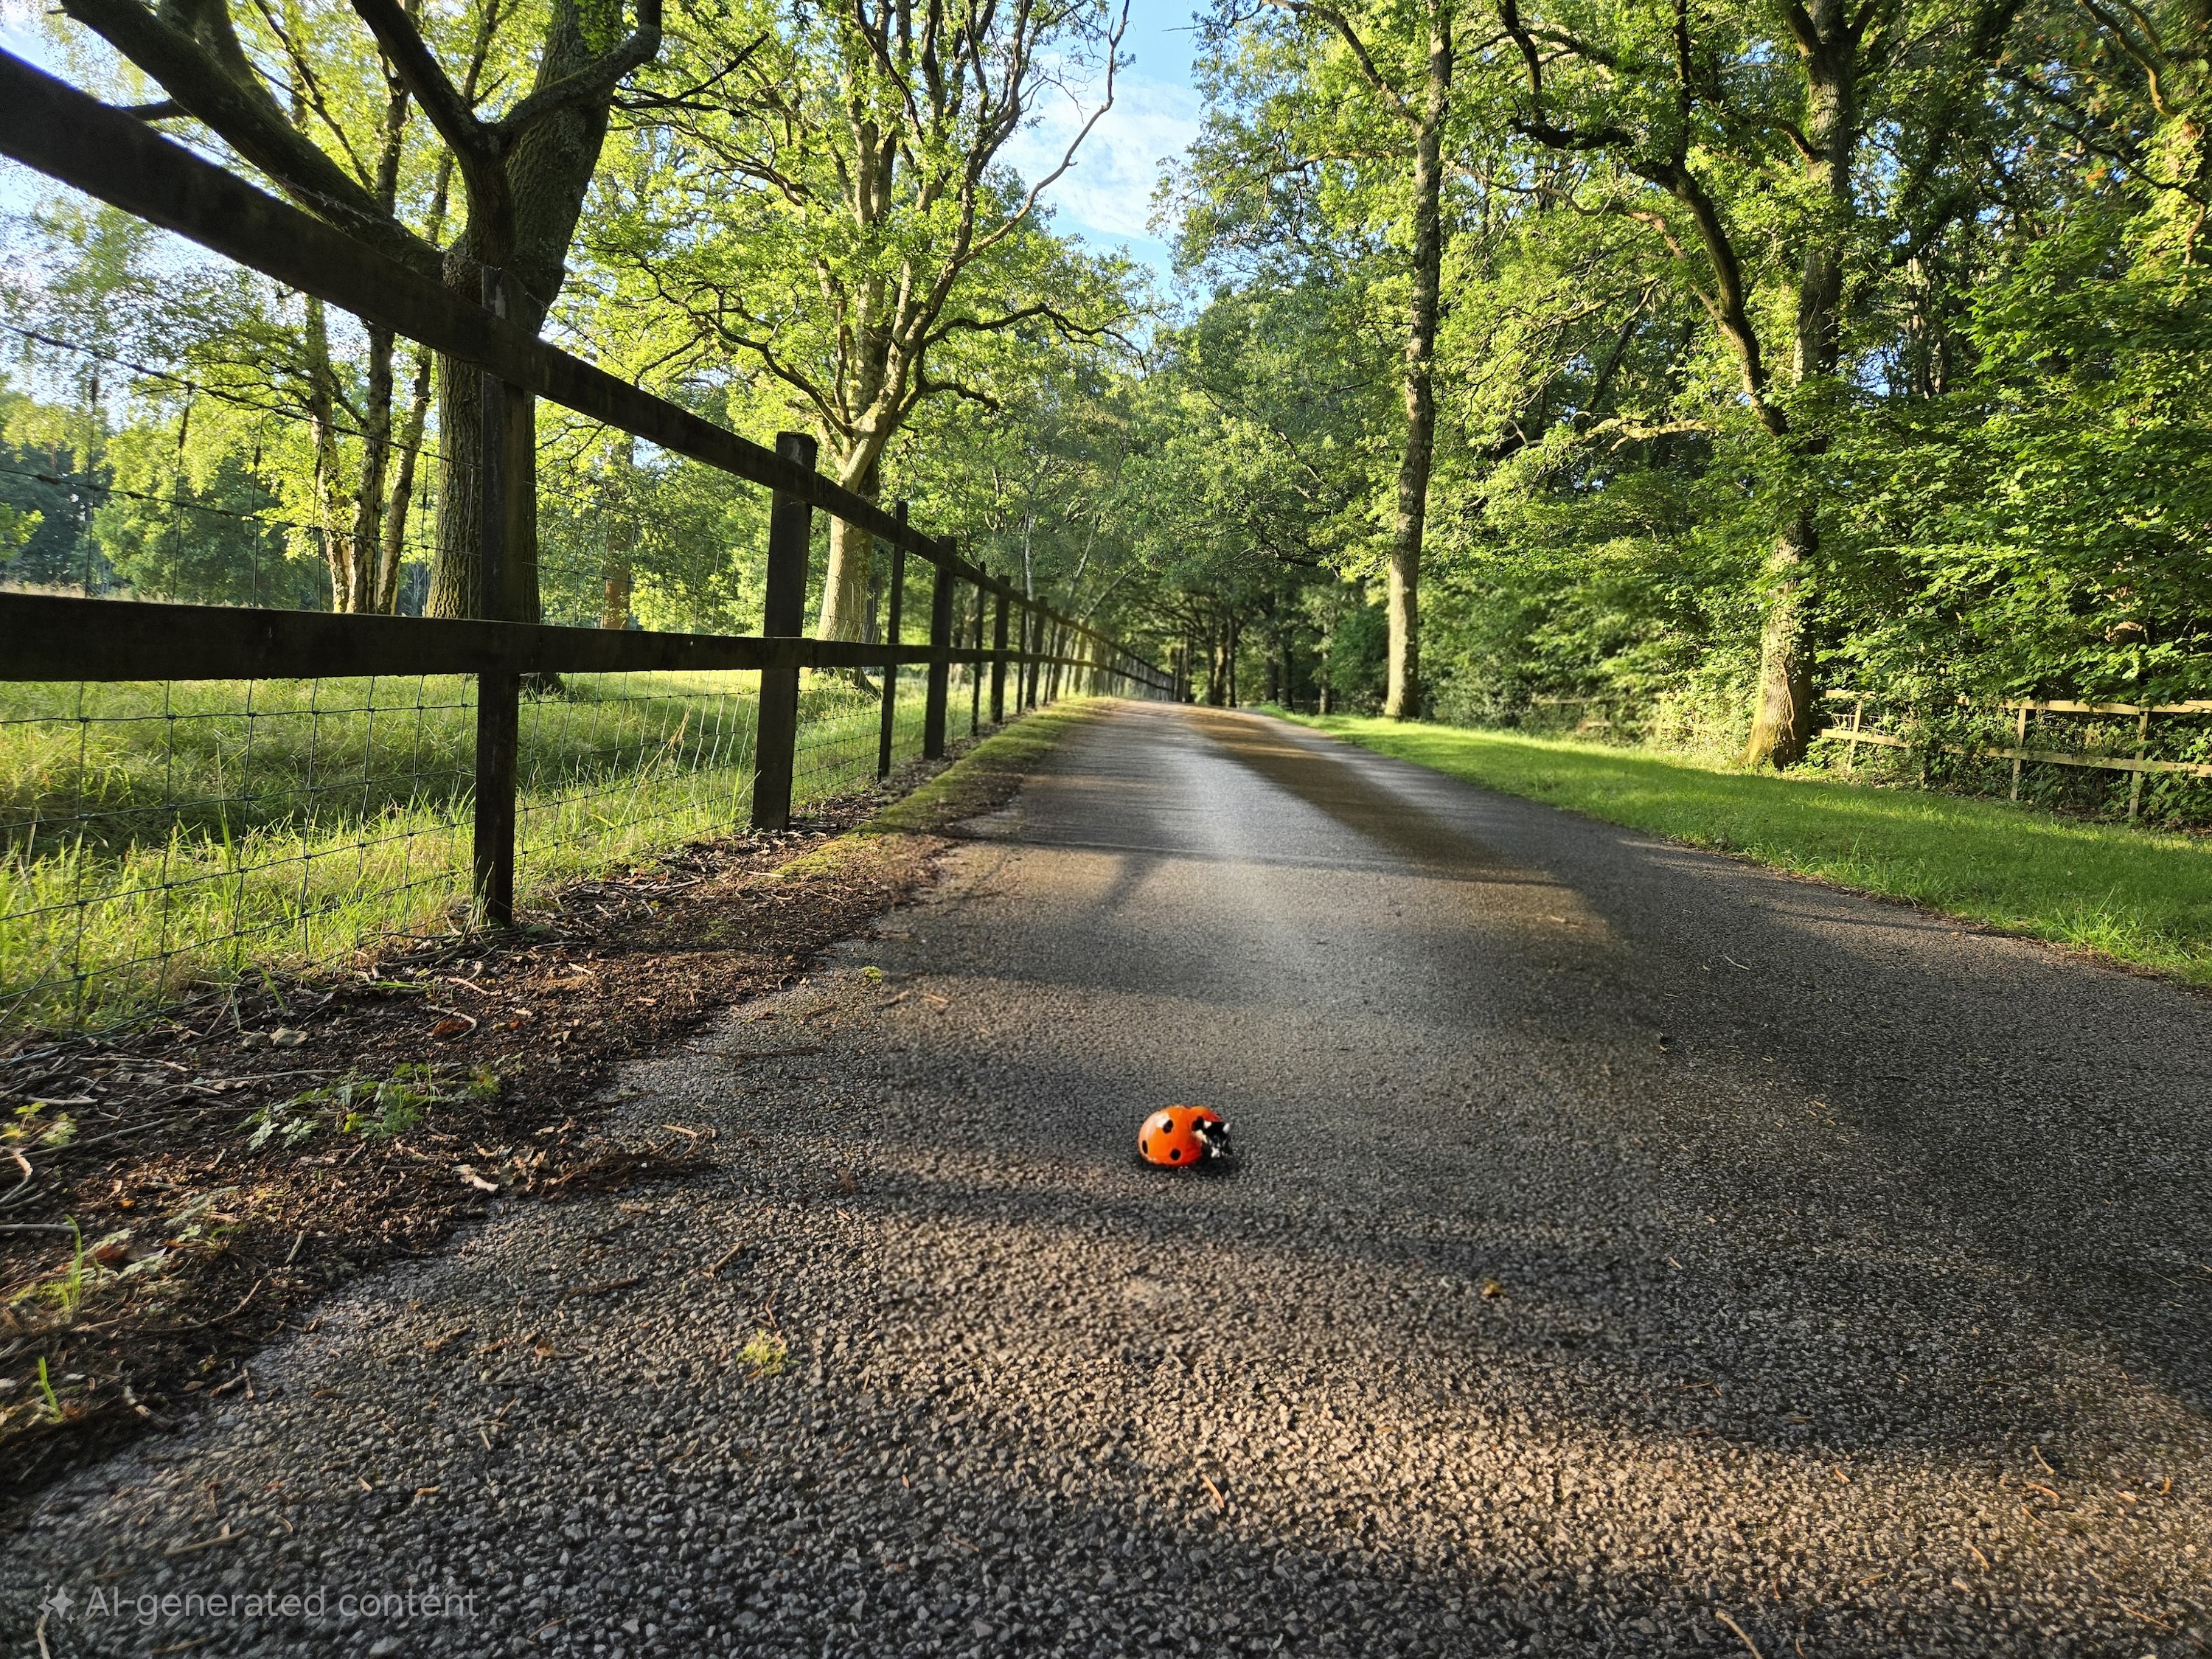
(1699, 355)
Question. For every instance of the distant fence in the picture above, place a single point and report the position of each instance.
(148, 819)
(2159, 751)
(2119, 739)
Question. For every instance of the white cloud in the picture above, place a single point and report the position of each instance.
(1109, 190)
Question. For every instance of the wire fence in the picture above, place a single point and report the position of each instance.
(156, 837)
(2151, 762)
(2138, 762)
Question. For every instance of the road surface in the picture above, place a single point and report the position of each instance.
(1631, 1253)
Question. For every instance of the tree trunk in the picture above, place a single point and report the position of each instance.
(619, 567)
(457, 587)
(456, 574)
(549, 170)
(392, 553)
(1404, 699)
(334, 502)
(1782, 711)
(845, 605)
(1782, 721)
(367, 537)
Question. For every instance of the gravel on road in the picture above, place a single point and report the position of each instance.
(1630, 1251)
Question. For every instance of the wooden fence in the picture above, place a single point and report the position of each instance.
(1855, 731)
(112, 155)
(1852, 730)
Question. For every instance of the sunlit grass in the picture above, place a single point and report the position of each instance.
(157, 837)
(2140, 897)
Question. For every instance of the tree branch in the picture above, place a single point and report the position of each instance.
(595, 80)
(194, 55)
(475, 148)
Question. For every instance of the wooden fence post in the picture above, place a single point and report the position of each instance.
(892, 625)
(940, 658)
(499, 695)
(975, 668)
(2142, 746)
(775, 736)
(1033, 647)
(999, 660)
(2020, 741)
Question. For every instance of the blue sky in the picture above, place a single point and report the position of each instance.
(1106, 197)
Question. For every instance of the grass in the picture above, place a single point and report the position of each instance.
(155, 838)
(2138, 896)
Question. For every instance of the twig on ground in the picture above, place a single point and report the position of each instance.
(1722, 1615)
(727, 1257)
(600, 1290)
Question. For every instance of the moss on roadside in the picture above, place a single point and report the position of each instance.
(983, 779)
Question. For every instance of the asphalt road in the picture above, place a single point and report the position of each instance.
(1632, 1252)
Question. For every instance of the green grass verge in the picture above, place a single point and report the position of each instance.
(2138, 896)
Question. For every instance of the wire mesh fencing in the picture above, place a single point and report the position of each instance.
(2151, 762)
(160, 836)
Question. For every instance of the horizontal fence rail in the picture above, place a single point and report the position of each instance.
(510, 729)
(55, 637)
(2140, 762)
(49, 125)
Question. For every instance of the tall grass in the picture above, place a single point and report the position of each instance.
(159, 836)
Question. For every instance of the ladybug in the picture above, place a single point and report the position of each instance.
(1178, 1137)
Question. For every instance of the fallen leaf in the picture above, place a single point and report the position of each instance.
(286, 1036)
(457, 1026)
(475, 1180)
(1492, 1289)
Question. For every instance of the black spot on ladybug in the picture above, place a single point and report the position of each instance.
(1145, 1144)
(1175, 1154)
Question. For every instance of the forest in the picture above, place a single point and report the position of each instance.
(1686, 361)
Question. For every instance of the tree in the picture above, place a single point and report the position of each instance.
(1369, 94)
(826, 198)
(1743, 147)
(524, 175)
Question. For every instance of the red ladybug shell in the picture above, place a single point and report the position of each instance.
(1178, 1137)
